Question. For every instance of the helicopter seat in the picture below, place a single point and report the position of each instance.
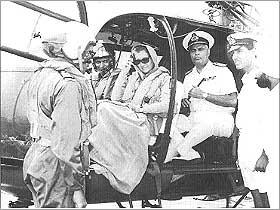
(220, 156)
(216, 151)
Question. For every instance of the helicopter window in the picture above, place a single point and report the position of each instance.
(12, 34)
(36, 19)
(33, 23)
(68, 9)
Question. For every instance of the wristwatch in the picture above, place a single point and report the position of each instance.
(204, 95)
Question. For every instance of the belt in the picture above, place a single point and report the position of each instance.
(42, 141)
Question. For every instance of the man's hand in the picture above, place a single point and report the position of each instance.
(128, 64)
(261, 163)
(79, 199)
(196, 92)
(128, 67)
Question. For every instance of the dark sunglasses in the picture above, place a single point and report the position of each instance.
(143, 60)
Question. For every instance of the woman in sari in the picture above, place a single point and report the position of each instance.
(140, 99)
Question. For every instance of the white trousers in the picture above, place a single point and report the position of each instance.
(265, 182)
(200, 125)
(249, 150)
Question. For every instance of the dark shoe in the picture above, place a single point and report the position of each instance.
(146, 203)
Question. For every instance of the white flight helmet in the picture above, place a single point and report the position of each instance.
(78, 36)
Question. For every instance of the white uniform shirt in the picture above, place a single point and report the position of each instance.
(258, 121)
(272, 126)
(251, 102)
(222, 82)
(251, 120)
(272, 147)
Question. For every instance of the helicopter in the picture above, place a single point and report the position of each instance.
(164, 30)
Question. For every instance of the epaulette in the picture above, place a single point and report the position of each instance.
(220, 64)
(188, 72)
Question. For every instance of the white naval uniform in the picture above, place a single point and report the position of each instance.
(206, 119)
(250, 120)
(258, 122)
(272, 147)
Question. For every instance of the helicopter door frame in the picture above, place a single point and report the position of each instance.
(173, 80)
(81, 7)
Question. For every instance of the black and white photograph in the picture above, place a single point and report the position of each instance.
(140, 104)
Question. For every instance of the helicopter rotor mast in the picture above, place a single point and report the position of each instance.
(235, 14)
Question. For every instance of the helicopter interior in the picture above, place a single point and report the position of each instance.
(126, 30)
(122, 33)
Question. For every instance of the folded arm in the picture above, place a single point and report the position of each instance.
(227, 100)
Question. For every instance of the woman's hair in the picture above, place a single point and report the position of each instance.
(139, 48)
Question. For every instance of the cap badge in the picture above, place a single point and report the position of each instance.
(194, 37)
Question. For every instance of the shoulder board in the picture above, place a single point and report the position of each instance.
(220, 64)
(66, 75)
(188, 72)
